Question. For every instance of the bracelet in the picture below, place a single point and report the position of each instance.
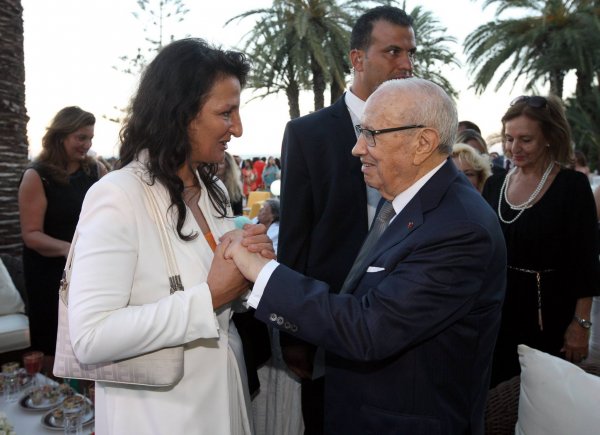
(584, 323)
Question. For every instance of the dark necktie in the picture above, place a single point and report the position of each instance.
(360, 264)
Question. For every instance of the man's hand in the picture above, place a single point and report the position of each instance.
(249, 263)
(256, 240)
(225, 281)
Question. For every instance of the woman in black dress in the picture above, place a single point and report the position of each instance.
(50, 197)
(548, 217)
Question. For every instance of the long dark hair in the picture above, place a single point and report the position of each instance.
(172, 90)
(53, 156)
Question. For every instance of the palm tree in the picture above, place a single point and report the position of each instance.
(274, 52)
(432, 52)
(13, 122)
(583, 114)
(304, 44)
(301, 44)
(555, 37)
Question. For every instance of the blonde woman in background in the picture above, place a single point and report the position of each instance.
(475, 166)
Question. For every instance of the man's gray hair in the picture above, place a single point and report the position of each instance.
(432, 107)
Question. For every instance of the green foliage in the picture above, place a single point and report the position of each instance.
(300, 44)
(583, 114)
(303, 45)
(548, 40)
(432, 50)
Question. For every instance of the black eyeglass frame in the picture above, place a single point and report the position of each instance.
(535, 101)
(360, 130)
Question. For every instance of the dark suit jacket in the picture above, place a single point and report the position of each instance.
(323, 215)
(410, 347)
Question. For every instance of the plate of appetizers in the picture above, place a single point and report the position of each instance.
(45, 397)
(54, 419)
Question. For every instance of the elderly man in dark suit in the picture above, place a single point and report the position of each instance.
(326, 208)
(409, 340)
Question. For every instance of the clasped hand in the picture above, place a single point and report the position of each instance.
(238, 260)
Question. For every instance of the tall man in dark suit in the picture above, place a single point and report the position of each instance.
(410, 340)
(326, 208)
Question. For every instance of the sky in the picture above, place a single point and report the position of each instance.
(73, 46)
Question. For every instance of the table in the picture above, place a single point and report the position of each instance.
(30, 422)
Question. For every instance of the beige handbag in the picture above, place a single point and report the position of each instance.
(161, 368)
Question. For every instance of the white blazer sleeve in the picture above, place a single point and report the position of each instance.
(107, 263)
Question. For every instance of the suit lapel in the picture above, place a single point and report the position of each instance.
(344, 130)
(412, 216)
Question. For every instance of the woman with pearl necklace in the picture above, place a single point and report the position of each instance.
(549, 221)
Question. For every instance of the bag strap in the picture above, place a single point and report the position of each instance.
(175, 283)
(172, 269)
(63, 289)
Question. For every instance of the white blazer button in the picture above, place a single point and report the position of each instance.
(273, 317)
(280, 320)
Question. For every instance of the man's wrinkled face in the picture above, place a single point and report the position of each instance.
(388, 166)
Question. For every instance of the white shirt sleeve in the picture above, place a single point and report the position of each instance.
(261, 282)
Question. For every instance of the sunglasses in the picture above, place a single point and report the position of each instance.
(533, 101)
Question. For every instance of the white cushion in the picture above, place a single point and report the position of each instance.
(14, 332)
(10, 299)
(557, 397)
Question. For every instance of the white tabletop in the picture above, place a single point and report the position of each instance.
(28, 422)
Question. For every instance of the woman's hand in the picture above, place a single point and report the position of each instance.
(255, 239)
(225, 281)
(576, 343)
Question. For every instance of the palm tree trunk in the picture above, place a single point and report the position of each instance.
(556, 82)
(13, 122)
(318, 84)
(293, 95)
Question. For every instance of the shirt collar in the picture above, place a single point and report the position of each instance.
(404, 197)
(355, 104)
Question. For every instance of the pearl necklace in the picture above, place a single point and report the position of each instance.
(527, 204)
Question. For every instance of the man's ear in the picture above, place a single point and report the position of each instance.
(427, 143)
(356, 58)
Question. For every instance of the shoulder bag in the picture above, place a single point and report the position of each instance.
(161, 368)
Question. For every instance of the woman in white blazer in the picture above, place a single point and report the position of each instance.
(185, 111)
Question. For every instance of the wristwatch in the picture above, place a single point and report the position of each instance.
(583, 322)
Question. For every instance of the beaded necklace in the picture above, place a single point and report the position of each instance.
(524, 206)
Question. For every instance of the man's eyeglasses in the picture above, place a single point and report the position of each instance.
(370, 134)
(535, 101)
